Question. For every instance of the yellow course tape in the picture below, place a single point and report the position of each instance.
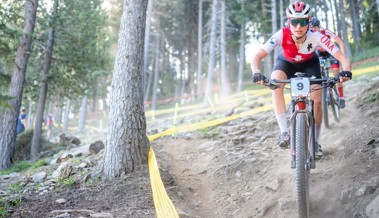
(365, 70)
(163, 204)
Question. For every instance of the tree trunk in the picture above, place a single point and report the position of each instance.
(225, 84)
(127, 144)
(95, 86)
(338, 17)
(212, 53)
(36, 141)
(30, 119)
(67, 114)
(357, 32)
(344, 28)
(156, 74)
(241, 63)
(281, 13)
(146, 48)
(274, 24)
(326, 11)
(199, 88)
(58, 113)
(9, 122)
(83, 113)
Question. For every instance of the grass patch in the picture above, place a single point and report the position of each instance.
(365, 65)
(69, 182)
(23, 166)
(365, 54)
(6, 205)
(206, 132)
(17, 168)
(14, 188)
(373, 97)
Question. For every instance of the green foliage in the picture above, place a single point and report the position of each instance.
(17, 168)
(39, 163)
(69, 182)
(7, 205)
(206, 132)
(23, 145)
(23, 166)
(14, 188)
(373, 97)
(365, 54)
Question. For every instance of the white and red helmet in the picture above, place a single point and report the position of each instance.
(298, 10)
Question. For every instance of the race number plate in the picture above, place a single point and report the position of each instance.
(300, 86)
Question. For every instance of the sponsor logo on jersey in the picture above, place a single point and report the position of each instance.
(272, 41)
(298, 58)
(326, 41)
(309, 47)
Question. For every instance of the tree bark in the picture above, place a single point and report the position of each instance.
(226, 90)
(146, 49)
(344, 28)
(67, 114)
(36, 140)
(127, 144)
(274, 24)
(199, 88)
(241, 63)
(9, 122)
(83, 113)
(212, 53)
(156, 73)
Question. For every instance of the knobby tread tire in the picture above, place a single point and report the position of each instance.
(302, 171)
(334, 99)
(325, 107)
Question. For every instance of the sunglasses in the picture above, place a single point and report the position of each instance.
(302, 22)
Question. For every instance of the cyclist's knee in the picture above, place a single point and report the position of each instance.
(278, 74)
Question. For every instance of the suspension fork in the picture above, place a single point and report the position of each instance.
(304, 106)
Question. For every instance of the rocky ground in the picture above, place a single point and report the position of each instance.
(231, 170)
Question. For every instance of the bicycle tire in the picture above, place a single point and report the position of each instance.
(302, 169)
(325, 107)
(334, 99)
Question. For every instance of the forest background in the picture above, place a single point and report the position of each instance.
(193, 50)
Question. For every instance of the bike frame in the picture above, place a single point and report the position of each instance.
(302, 141)
(304, 105)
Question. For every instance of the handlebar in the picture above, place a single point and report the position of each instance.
(274, 83)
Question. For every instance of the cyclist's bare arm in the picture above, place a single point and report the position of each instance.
(345, 61)
(339, 41)
(256, 62)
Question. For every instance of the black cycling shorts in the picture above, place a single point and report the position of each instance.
(310, 67)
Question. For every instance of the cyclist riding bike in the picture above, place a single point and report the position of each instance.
(299, 44)
(314, 23)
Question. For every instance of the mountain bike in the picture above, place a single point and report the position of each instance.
(302, 133)
(330, 97)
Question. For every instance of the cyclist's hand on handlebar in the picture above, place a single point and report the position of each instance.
(345, 76)
(258, 78)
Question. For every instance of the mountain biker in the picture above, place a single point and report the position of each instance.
(314, 23)
(298, 44)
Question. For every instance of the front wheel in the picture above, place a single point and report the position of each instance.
(334, 103)
(302, 166)
(325, 93)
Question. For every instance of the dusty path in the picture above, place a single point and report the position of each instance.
(240, 173)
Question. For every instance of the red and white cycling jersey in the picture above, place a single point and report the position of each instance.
(329, 34)
(305, 52)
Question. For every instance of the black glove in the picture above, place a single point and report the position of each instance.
(258, 77)
(345, 74)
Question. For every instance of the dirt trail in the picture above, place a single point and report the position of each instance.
(240, 173)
